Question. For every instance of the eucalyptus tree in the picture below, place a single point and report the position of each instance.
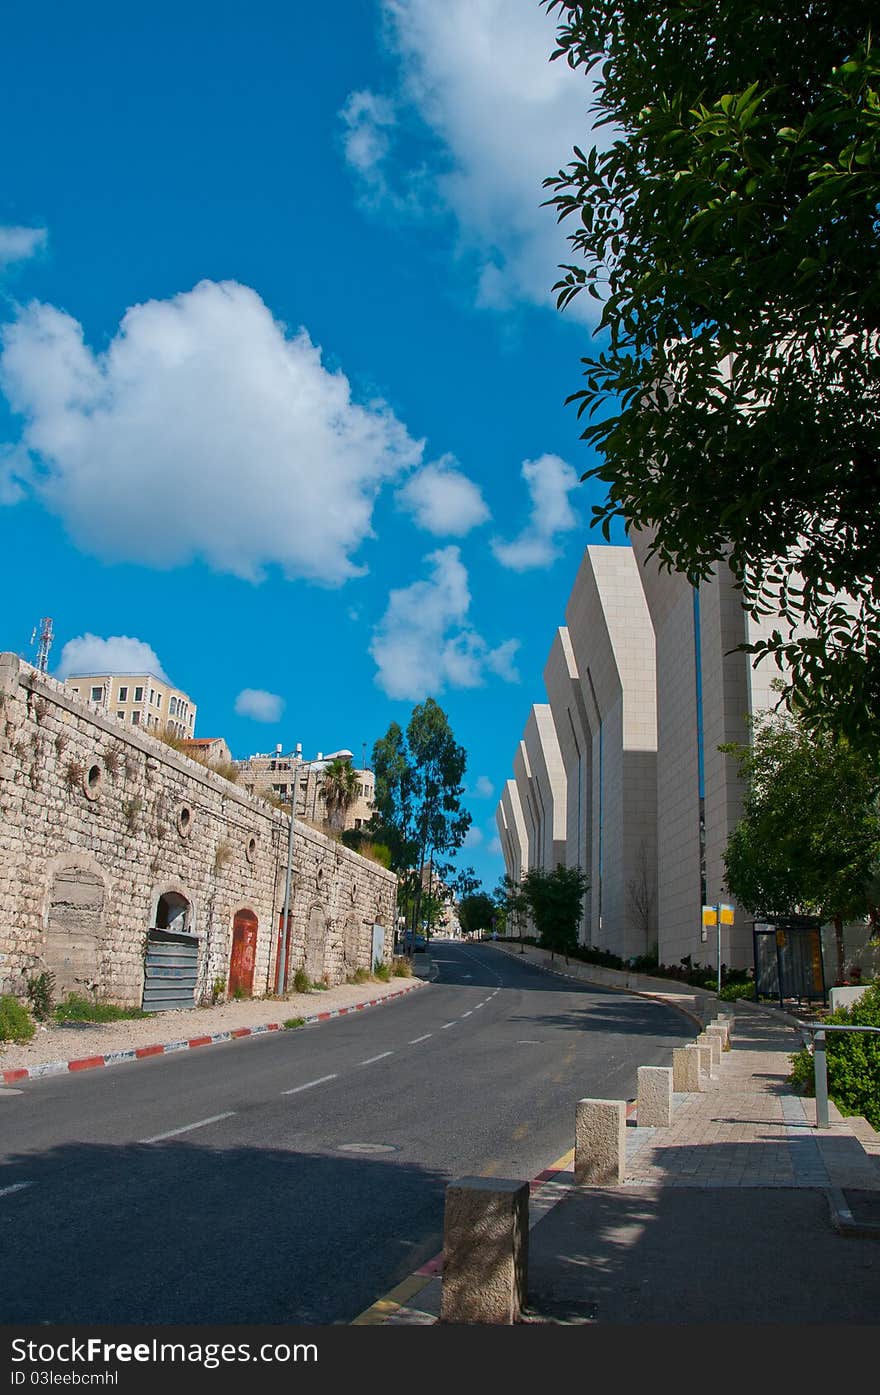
(418, 796)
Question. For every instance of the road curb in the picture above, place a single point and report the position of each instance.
(167, 1048)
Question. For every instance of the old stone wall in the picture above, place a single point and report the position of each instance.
(106, 831)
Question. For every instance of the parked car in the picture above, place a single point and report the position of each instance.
(421, 942)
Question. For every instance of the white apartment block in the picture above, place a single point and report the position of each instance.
(567, 706)
(612, 641)
(540, 781)
(601, 765)
(706, 693)
(274, 774)
(511, 826)
(137, 700)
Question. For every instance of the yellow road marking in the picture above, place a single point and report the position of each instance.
(383, 1308)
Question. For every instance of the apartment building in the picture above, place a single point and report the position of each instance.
(137, 700)
(274, 774)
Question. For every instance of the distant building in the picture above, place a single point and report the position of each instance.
(274, 775)
(211, 749)
(138, 700)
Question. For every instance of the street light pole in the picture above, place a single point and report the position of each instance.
(281, 971)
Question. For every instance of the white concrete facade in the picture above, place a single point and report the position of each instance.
(612, 641)
(602, 714)
(575, 738)
(511, 827)
(706, 693)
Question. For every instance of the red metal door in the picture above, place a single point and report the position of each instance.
(244, 954)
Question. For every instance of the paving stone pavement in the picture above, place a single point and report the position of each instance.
(740, 1211)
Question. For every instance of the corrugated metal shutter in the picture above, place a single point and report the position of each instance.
(170, 971)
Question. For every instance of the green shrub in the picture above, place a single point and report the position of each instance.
(218, 988)
(301, 982)
(40, 995)
(290, 1023)
(853, 1060)
(238, 993)
(360, 976)
(731, 991)
(15, 1020)
(76, 1008)
(401, 967)
(383, 973)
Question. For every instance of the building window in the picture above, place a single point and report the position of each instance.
(172, 706)
(123, 695)
(159, 701)
(135, 718)
(120, 716)
(138, 694)
(96, 694)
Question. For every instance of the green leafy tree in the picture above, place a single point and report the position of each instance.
(809, 838)
(727, 225)
(418, 798)
(476, 912)
(339, 787)
(555, 901)
(512, 904)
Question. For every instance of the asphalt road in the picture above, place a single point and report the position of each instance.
(295, 1177)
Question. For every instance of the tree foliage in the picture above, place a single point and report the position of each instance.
(339, 786)
(729, 228)
(476, 912)
(418, 796)
(555, 901)
(809, 838)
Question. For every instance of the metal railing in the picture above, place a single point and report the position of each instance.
(820, 1064)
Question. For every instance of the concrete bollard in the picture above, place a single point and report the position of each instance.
(600, 1143)
(705, 1054)
(722, 1024)
(711, 1040)
(715, 1029)
(654, 1103)
(485, 1250)
(686, 1070)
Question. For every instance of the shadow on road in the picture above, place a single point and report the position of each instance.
(182, 1233)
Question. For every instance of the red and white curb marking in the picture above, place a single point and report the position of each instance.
(139, 1053)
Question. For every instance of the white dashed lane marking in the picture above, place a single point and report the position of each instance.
(187, 1128)
(308, 1085)
(16, 1187)
(381, 1057)
(415, 1041)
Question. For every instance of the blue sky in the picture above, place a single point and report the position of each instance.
(281, 380)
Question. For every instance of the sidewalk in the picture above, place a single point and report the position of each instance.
(740, 1212)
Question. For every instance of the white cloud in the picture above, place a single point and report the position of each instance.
(116, 654)
(550, 481)
(18, 244)
(442, 500)
(257, 703)
(423, 642)
(204, 431)
(478, 74)
(474, 837)
(483, 789)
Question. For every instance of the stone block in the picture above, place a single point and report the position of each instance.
(654, 1104)
(600, 1142)
(686, 1070)
(713, 1041)
(485, 1250)
(705, 1056)
(719, 1030)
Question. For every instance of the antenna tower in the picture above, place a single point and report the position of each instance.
(47, 635)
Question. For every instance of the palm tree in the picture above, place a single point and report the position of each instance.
(339, 790)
